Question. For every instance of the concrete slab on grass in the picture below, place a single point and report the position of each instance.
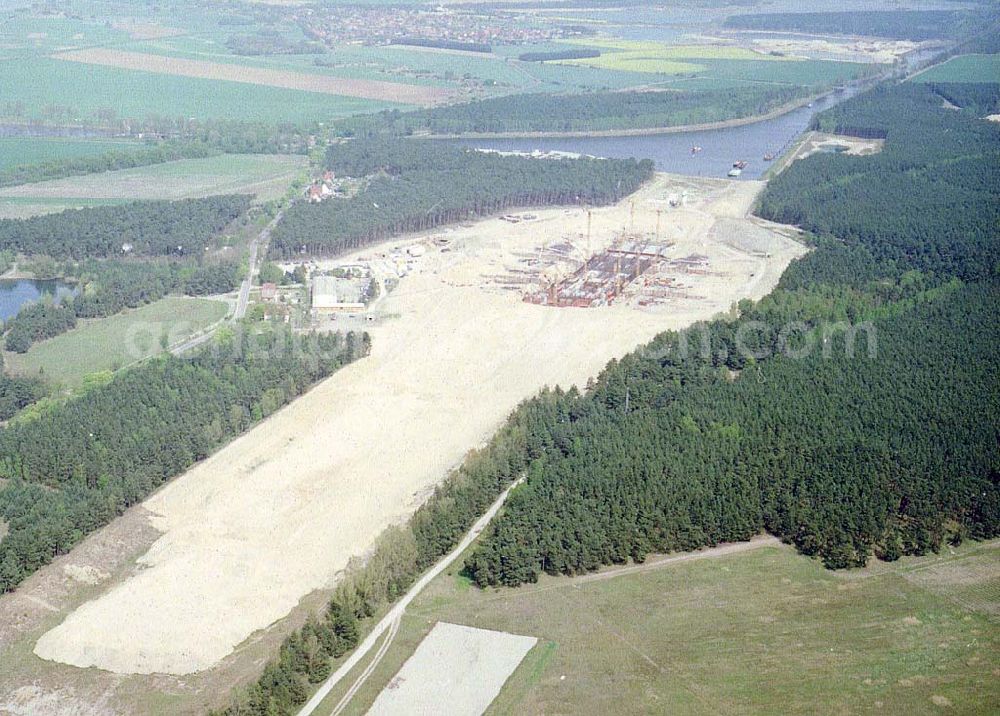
(456, 669)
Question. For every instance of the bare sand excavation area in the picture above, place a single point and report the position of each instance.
(275, 515)
(161, 64)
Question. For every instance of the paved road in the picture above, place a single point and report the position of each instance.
(194, 342)
(258, 249)
(397, 611)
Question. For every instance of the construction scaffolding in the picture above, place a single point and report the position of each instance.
(600, 279)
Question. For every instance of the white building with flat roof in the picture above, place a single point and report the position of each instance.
(333, 295)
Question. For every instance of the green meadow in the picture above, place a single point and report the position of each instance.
(109, 343)
(760, 632)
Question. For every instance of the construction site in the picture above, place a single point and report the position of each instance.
(480, 316)
(634, 268)
(595, 267)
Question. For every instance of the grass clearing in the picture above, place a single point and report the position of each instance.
(964, 68)
(265, 175)
(764, 631)
(108, 343)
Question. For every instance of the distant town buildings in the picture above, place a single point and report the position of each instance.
(382, 25)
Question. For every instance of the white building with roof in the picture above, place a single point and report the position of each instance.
(334, 295)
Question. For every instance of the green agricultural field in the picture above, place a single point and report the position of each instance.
(636, 61)
(44, 84)
(964, 68)
(30, 36)
(109, 343)
(349, 62)
(268, 176)
(15, 151)
(499, 72)
(720, 63)
(759, 632)
(811, 73)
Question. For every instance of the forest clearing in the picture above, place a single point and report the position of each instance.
(104, 344)
(454, 340)
(702, 635)
(365, 89)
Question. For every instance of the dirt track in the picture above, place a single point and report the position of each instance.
(278, 512)
(160, 64)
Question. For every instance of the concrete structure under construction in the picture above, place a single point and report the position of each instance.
(603, 277)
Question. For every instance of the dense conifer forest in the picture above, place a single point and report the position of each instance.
(17, 392)
(72, 467)
(148, 228)
(415, 185)
(878, 437)
(976, 99)
(593, 111)
(930, 200)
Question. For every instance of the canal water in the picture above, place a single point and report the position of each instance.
(14, 293)
(673, 152)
